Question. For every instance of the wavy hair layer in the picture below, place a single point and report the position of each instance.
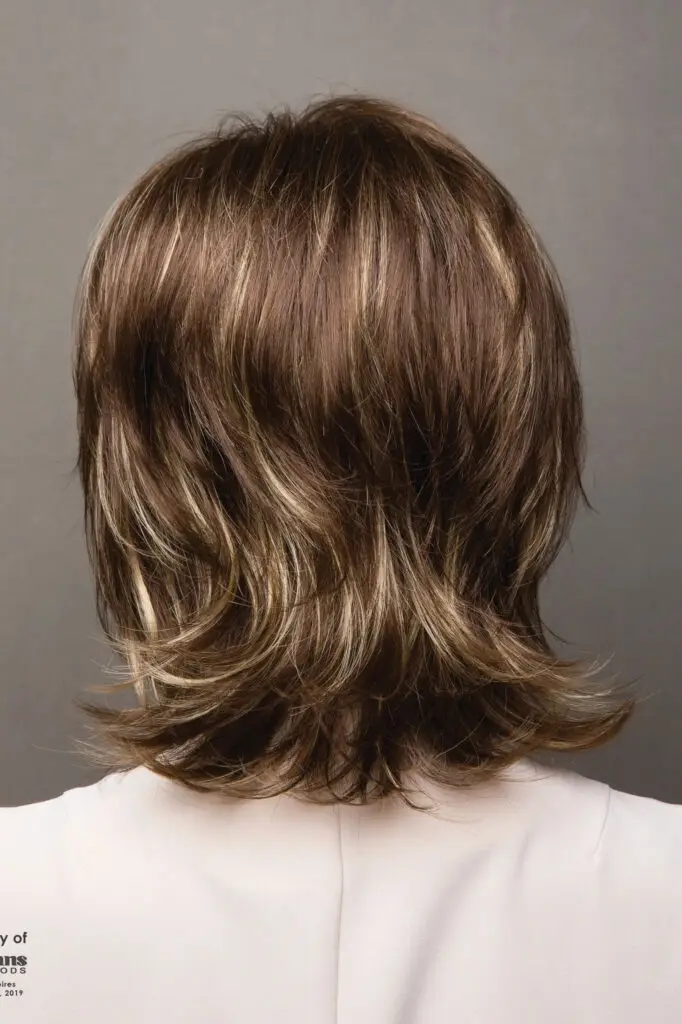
(330, 441)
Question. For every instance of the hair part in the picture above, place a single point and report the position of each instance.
(330, 442)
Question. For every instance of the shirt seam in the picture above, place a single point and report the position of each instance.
(596, 853)
(341, 901)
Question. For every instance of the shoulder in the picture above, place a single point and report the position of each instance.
(60, 854)
(641, 840)
(638, 883)
(40, 842)
(624, 829)
(626, 850)
(616, 828)
(80, 806)
(30, 830)
(32, 864)
(568, 797)
(629, 864)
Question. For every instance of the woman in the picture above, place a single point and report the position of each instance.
(330, 439)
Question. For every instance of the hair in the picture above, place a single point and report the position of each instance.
(330, 441)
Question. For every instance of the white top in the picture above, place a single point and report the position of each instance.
(545, 898)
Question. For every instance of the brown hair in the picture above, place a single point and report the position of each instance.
(330, 440)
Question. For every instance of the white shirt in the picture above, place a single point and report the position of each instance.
(542, 898)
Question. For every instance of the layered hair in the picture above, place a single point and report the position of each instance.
(330, 441)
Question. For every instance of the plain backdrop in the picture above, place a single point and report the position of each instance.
(578, 109)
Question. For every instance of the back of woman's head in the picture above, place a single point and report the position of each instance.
(330, 441)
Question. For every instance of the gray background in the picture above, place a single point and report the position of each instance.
(576, 106)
